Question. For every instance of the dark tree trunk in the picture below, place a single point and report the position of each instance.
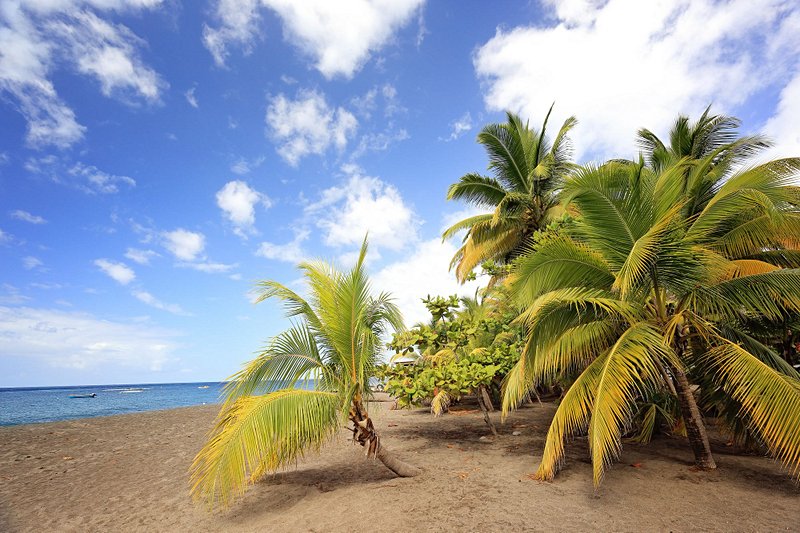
(365, 434)
(695, 429)
(486, 417)
(487, 399)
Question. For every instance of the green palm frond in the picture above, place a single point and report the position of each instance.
(290, 357)
(466, 224)
(770, 400)
(771, 295)
(259, 434)
(477, 190)
(556, 264)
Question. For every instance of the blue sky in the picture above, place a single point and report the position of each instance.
(159, 157)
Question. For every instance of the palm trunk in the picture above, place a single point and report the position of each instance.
(486, 417)
(366, 435)
(695, 429)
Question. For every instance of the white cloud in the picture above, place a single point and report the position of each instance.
(378, 142)
(424, 272)
(364, 204)
(36, 38)
(30, 262)
(11, 295)
(307, 125)
(97, 181)
(19, 214)
(183, 244)
(81, 341)
(338, 36)
(119, 272)
(625, 64)
(291, 252)
(109, 53)
(142, 257)
(152, 301)
(4, 236)
(783, 126)
(459, 127)
(367, 104)
(191, 98)
(237, 201)
(87, 178)
(243, 166)
(208, 267)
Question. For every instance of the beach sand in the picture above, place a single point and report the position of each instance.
(129, 473)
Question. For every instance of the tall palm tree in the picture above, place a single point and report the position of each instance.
(527, 172)
(644, 294)
(273, 413)
(715, 135)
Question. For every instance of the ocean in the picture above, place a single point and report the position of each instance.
(47, 404)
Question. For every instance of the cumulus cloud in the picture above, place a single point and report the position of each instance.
(782, 127)
(345, 213)
(423, 272)
(81, 341)
(184, 244)
(36, 38)
(238, 201)
(25, 216)
(459, 127)
(152, 301)
(291, 252)
(339, 37)
(308, 125)
(119, 272)
(142, 257)
(623, 64)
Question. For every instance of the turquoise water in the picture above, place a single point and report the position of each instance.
(48, 404)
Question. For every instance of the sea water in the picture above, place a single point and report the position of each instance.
(47, 404)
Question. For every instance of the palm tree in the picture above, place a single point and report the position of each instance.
(273, 413)
(527, 170)
(645, 293)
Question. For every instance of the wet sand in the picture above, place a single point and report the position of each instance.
(129, 473)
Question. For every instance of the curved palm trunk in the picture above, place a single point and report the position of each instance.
(695, 429)
(485, 403)
(365, 434)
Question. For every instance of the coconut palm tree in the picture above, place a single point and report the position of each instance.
(527, 172)
(645, 294)
(273, 413)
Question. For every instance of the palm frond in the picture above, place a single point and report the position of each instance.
(260, 434)
(770, 400)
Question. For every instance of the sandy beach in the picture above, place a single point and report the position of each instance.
(129, 473)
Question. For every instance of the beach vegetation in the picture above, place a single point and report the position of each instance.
(652, 292)
(467, 348)
(307, 383)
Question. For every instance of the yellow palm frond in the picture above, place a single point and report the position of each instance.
(259, 434)
(769, 399)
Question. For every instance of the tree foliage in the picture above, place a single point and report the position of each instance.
(669, 261)
(527, 170)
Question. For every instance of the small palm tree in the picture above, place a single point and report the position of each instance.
(273, 413)
(527, 170)
(645, 294)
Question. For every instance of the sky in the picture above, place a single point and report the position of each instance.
(159, 157)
